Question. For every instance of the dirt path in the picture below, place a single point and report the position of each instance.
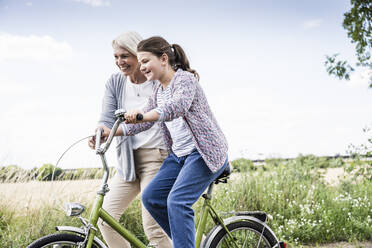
(333, 175)
(341, 245)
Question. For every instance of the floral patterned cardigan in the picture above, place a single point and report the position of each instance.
(189, 102)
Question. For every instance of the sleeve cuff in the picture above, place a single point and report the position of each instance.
(161, 113)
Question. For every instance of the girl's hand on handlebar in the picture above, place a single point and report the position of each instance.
(131, 116)
(104, 135)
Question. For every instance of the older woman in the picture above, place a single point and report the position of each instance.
(139, 156)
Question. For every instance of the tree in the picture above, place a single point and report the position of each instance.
(358, 24)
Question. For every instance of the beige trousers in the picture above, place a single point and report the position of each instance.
(147, 162)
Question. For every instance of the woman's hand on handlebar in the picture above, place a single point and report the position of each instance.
(104, 135)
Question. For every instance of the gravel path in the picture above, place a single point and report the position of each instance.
(341, 245)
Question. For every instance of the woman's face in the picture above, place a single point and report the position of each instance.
(150, 65)
(126, 61)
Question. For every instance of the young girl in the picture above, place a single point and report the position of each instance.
(197, 146)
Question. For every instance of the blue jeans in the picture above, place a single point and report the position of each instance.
(170, 195)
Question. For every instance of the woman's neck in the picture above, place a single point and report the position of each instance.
(166, 79)
(137, 77)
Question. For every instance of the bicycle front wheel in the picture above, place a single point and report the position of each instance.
(60, 240)
(245, 234)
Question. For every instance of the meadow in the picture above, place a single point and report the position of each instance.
(311, 201)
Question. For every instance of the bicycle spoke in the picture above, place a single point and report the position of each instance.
(244, 238)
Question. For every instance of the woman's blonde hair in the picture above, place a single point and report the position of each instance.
(128, 41)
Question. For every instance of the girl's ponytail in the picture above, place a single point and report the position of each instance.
(181, 61)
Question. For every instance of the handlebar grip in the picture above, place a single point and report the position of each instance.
(98, 137)
(139, 117)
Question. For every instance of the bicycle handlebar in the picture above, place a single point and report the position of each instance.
(120, 118)
(99, 132)
(120, 115)
(139, 117)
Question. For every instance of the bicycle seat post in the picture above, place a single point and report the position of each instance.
(208, 195)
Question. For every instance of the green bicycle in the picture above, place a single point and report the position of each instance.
(242, 229)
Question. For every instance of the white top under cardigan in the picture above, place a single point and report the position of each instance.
(182, 140)
(135, 97)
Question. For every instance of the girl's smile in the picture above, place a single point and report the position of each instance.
(155, 68)
(150, 65)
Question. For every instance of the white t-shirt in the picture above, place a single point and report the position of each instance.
(182, 140)
(136, 96)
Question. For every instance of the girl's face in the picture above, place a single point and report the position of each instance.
(126, 61)
(151, 66)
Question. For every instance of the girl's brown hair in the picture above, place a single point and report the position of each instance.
(158, 46)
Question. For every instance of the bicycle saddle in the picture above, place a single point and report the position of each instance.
(224, 175)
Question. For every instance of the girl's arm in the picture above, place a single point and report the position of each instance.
(131, 116)
(183, 96)
(132, 126)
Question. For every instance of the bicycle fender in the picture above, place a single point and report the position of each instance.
(81, 232)
(207, 242)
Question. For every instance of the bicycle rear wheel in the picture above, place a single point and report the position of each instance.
(60, 240)
(245, 234)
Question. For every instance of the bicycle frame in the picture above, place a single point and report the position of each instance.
(98, 212)
(86, 236)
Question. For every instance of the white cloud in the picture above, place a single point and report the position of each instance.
(312, 23)
(32, 47)
(95, 3)
(8, 90)
(29, 4)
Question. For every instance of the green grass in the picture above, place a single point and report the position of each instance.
(304, 209)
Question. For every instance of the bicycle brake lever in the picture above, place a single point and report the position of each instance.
(119, 113)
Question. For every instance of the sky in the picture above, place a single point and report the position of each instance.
(261, 65)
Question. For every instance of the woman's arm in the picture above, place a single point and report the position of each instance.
(110, 101)
(109, 105)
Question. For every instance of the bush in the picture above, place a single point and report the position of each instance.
(312, 161)
(243, 165)
(49, 172)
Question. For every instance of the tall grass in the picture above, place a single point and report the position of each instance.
(48, 172)
(303, 207)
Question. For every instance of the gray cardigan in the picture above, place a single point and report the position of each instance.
(113, 100)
